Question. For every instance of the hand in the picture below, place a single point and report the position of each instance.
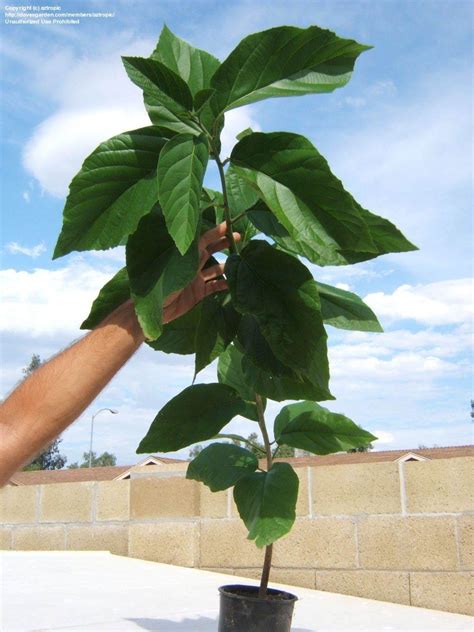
(206, 281)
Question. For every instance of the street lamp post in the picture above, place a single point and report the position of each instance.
(111, 410)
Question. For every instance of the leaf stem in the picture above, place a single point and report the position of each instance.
(267, 563)
(237, 217)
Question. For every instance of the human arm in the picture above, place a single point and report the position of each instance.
(52, 397)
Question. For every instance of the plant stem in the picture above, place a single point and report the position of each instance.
(230, 234)
(262, 592)
(237, 217)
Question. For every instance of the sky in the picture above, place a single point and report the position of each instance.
(399, 135)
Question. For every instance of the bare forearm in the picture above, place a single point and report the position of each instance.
(57, 393)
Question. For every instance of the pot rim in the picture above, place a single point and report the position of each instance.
(224, 590)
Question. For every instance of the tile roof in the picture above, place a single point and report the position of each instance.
(41, 477)
(375, 457)
(108, 473)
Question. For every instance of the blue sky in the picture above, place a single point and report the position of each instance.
(399, 136)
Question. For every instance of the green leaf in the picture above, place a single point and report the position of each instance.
(267, 503)
(167, 97)
(240, 195)
(230, 372)
(196, 414)
(221, 465)
(193, 65)
(265, 374)
(156, 269)
(179, 335)
(280, 293)
(115, 187)
(180, 173)
(245, 132)
(324, 221)
(216, 329)
(283, 387)
(311, 427)
(284, 61)
(346, 310)
(114, 293)
(265, 221)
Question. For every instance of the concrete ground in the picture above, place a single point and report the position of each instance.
(44, 590)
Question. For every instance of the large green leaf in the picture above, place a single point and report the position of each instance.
(282, 387)
(267, 503)
(216, 329)
(156, 269)
(193, 65)
(240, 196)
(346, 310)
(196, 414)
(115, 187)
(180, 173)
(296, 184)
(280, 293)
(311, 427)
(230, 372)
(284, 61)
(114, 293)
(221, 465)
(178, 336)
(167, 97)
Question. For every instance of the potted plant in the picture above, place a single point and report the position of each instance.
(144, 188)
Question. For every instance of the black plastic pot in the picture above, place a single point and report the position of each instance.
(241, 610)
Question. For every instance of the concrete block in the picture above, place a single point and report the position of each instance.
(440, 486)
(390, 586)
(18, 504)
(113, 500)
(156, 497)
(407, 543)
(213, 504)
(365, 488)
(156, 470)
(466, 541)
(317, 543)
(66, 502)
(224, 544)
(113, 538)
(291, 576)
(452, 592)
(302, 504)
(5, 538)
(166, 542)
(39, 538)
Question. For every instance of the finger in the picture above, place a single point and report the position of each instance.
(213, 235)
(219, 285)
(213, 272)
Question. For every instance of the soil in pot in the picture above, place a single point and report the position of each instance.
(241, 610)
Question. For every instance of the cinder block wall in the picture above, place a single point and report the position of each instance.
(400, 532)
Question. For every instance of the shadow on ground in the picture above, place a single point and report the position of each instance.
(202, 624)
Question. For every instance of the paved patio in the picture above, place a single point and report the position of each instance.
(44, 590)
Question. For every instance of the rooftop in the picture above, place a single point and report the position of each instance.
(41, 477)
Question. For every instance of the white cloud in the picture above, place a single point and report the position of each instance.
(26, 196)
(16, 249)
(59, 145)
(48, 302)
(440, 303)
(235, 122)
(355, 102)
(383, 438)
(411, 162)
